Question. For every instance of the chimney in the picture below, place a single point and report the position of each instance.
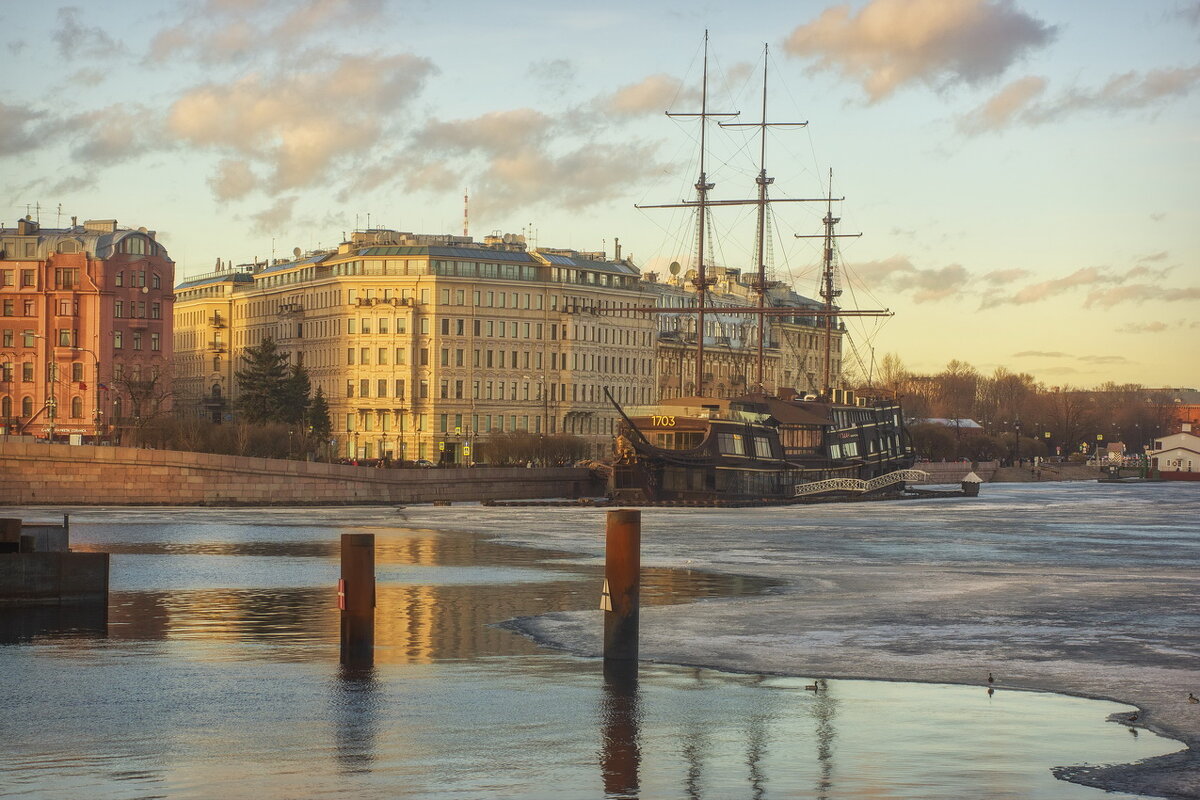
(616, 249)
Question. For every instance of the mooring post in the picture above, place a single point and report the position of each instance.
(622, 571)
(356, 598)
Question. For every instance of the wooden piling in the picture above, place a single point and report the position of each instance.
(622, 571)
(356, 599)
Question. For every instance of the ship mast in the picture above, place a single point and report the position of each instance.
(702, 205)
(760, 285)
(829, 290)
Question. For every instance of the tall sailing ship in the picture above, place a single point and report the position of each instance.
(789, 447)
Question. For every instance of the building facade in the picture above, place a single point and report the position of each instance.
(793, 347)
(425, 345)
(85, 331)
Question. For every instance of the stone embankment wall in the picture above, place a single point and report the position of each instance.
(45, 474)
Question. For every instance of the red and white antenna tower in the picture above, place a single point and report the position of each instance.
(466, 206)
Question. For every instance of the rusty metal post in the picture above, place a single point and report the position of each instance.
(622, 573)
(356, 599)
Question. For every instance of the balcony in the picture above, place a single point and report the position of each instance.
(216, 321)
(216, 347)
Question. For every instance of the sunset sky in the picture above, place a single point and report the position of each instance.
(1026, 175)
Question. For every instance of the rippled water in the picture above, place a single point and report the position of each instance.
(214, 673)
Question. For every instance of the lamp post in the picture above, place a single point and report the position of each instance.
(96, 412)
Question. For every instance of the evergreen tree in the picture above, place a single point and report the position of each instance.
(265, 383)
(297, 397)
(319, 424)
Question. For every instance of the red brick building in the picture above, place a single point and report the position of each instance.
(85, 329)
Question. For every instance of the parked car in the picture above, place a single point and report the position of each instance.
(424, 463)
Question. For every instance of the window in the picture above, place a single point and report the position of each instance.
(118, 339)
(423, 390)
(119, 309)
(28, 277)
(76, 408)
(155, 281)
(349, 388)
(119, 279)
(382, 356)
(137, 340)
(76, 371)
(155, 311)
(27, 407)
(382, 387)
(64, 337)
(66, 278)
(7, 276)
(399, 389)
(10, 308)
(364, 387)
(155, 341)
(366, 325)
(27, 372)
(350, 356)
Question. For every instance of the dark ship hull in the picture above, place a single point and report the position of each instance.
(756, 450)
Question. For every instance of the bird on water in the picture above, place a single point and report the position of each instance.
(1192, 698)
(990, 678)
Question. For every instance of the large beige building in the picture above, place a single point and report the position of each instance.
(423, 345)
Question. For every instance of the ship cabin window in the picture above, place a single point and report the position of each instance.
(731, 444)
(677, 440)
(762, 447)
(835, 451)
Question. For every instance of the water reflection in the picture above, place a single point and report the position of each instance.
(53, 622)
(620, 756)
(356, 697)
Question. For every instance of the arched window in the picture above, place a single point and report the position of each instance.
(27, 407)
(118, 409)
(216, 390)
(76, 408)
(6, 407)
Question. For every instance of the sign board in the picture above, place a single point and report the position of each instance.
(76, 439)
(341, 594)
(441, 446)
(605, 598)
(457, 430)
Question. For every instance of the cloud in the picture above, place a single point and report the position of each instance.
(1040, 354)
(1158, 216)
(1140, 293)
(1161, 255)
(1000, 277)
(1104, 359)
(76, 40)
(1021, 101)
(19, 129)
(1003, 107)
(234, 179)
(1143, 327)
(890, 43)
(898, 274)
(1046, 289)
(651, 95)
(1190, 13)
(299, 123)
(275, 217)
(115, 134)
(223, 32)
(554, 75)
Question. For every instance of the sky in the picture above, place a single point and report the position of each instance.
(1024, 174)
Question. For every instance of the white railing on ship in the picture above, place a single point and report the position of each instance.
(856, 485)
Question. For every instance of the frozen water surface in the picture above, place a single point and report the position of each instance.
(215, 673)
